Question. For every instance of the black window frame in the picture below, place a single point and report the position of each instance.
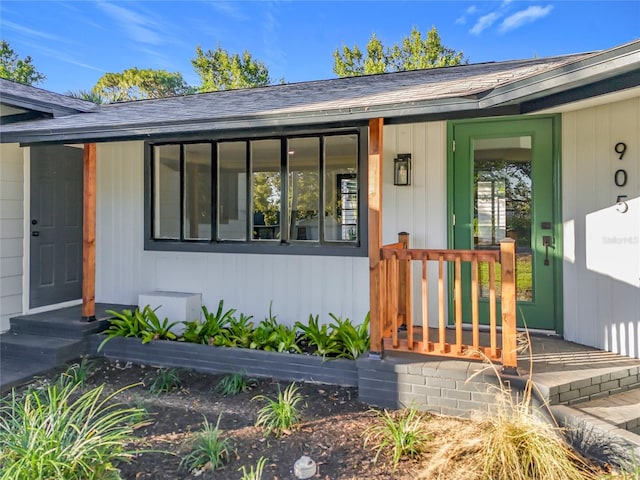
(284, 246)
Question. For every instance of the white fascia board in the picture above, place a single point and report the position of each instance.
(567, 77)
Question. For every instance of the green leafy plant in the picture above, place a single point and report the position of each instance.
(209, 449)
(165, 380)
(401, 433)
(319, 338)
(240, 332)
(281, 414)
(253, 474)
(143, 324)
(286, 339)
(354, 341)
(214, 324)
(77, 373)
(156, 329)
(63, 433)
(233, 384)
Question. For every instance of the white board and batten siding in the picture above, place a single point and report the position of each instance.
(601, 244)
(421, 208)
(11, 231)
(297, 285)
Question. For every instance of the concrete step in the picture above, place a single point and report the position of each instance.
(578, 386)
(15, 372)
(50, 351)
(50, 325)
(621, 409)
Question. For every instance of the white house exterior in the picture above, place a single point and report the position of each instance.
(589, 104)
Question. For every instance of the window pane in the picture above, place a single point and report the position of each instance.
(232, 191)
(197, 191)
(166, 189)
(265, 180)
(503, 184)
(304, 188)
(341, 188)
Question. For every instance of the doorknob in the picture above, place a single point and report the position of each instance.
(35, 234)
(547, 243)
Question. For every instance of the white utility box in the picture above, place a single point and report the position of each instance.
(176, 306)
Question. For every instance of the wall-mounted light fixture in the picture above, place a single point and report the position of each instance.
(402, 169)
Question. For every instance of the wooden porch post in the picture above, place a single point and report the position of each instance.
(508, 302)
(89, 234)
(375, 233)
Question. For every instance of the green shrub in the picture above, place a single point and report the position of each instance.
(233, 384)
(401, 433)
(354, 341)
(209, 449)
(253, 474)
(214, 324)
(319, 338)
(62, 434)
(77, 373)
(143, 324)
(280, 414)
(165, 381)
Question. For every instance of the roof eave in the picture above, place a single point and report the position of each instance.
(440, 107)
(597, 68)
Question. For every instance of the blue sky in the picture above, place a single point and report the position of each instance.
(75, 42)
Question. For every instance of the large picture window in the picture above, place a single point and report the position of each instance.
(262, 193)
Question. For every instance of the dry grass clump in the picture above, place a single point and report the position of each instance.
(509, 442)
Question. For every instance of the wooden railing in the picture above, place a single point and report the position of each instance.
(401, 331)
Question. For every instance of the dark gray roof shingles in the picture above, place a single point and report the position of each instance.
(12, 93)
(457, 84)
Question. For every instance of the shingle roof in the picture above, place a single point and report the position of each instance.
(396, 95)
(32, 98)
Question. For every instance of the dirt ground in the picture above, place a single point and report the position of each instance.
(333, 421)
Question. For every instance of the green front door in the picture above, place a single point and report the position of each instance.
(503, 181)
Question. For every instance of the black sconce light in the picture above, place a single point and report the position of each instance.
(402, 169)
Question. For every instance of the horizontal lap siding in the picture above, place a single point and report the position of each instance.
(11, 231)
(297, 285)
(601, 279)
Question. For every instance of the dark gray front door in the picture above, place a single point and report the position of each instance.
(56, 225)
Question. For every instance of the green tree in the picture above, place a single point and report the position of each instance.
(413, 53)
(20, 70)
(139, 84)
(88, 95)
(220, 70)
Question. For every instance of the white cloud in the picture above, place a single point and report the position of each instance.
(229, 9)
(135, 25)
(469, 11)
(484, 22)
(30, 31)
(523, 17)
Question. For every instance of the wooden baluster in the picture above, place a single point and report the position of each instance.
(458, 304)
(509, 333)
(394, 299)
(493, 328)
(441, 299)
(475, 323)
(425, 305)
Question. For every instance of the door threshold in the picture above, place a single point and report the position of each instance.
(55, 306)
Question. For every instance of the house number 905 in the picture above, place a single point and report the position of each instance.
(620, 177)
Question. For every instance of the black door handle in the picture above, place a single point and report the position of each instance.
(546, 242)
(35, 234)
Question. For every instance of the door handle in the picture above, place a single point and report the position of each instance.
(35, 234)
(547, 243)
